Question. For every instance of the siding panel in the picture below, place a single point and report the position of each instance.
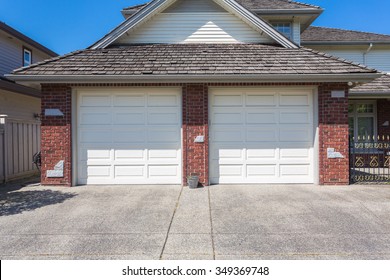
(379, 59)
(194, 28)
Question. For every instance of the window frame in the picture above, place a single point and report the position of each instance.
(275, 23)
(29, 51)
(355, 115)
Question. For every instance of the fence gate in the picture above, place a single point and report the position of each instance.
(370, 160)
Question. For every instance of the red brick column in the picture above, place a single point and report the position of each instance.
(383, 115)
(195, 123)
(56, 144)
(333, 133)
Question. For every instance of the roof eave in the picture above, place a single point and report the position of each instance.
(280, 78)
(17, 88)
(26, 39)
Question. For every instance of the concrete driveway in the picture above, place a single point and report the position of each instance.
(218, 222)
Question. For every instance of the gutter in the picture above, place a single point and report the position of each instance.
(341, 43)
(3, 125)
(309, 78)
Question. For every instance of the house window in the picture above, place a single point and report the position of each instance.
(362, 119)
(27, 57)
(284, 28)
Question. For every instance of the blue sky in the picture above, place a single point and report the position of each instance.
(69, 25)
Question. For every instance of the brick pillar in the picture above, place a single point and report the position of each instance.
(195, 123)
(383, 115)
(333, 133)
(56, 144)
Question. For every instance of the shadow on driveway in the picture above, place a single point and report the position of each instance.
(17, 202)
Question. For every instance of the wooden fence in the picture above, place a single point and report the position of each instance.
(19, 140)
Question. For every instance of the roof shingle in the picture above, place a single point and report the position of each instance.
(378, 86)
(324, 34)
(194, 59)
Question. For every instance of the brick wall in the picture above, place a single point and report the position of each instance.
(56, 144)
(333, 133)
(383, 113)
(195, 123)
(333, 129)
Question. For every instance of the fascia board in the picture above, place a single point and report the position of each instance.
(363, 77)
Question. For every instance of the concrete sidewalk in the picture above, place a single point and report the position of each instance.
(217, 222)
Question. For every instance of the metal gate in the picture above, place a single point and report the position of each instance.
(370, 160)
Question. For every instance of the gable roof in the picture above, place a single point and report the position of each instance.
(255, 5)
(315, 34)
(157, 6)
(193, 62)
(378, 86)
(13, 32)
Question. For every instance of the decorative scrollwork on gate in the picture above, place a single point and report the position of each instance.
(359, 162)
(374, 161)
(387, 161)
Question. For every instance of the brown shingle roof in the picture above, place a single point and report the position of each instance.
(324, 34)
(194, 59)
(378, 86)
(256, 5)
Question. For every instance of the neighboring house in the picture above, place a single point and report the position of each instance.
(369, 104)
(20, 106)
(218, 88)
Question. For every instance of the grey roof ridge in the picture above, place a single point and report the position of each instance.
(350, 30)
(340, 59)
(295, 2)
(46, 61)
(305, 4)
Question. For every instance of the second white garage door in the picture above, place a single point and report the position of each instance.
(261, 136)
(129, 136)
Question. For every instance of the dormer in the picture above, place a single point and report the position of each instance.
(288, 17)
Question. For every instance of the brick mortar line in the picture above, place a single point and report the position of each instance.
(170, 224)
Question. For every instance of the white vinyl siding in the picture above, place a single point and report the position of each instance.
(261, 136)
(377, 58)
(351, 55)
(129, 136)
(194, 28)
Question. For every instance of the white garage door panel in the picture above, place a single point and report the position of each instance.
(129, 136)
(261, 136)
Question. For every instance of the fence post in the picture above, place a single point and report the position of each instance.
(3, 128)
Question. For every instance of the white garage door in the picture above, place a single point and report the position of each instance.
(129, 136)
(261, 136)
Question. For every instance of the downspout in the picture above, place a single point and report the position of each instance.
(4, 126)
(366, 52)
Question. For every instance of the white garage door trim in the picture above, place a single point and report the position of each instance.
(163, 157)
(236, 160)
